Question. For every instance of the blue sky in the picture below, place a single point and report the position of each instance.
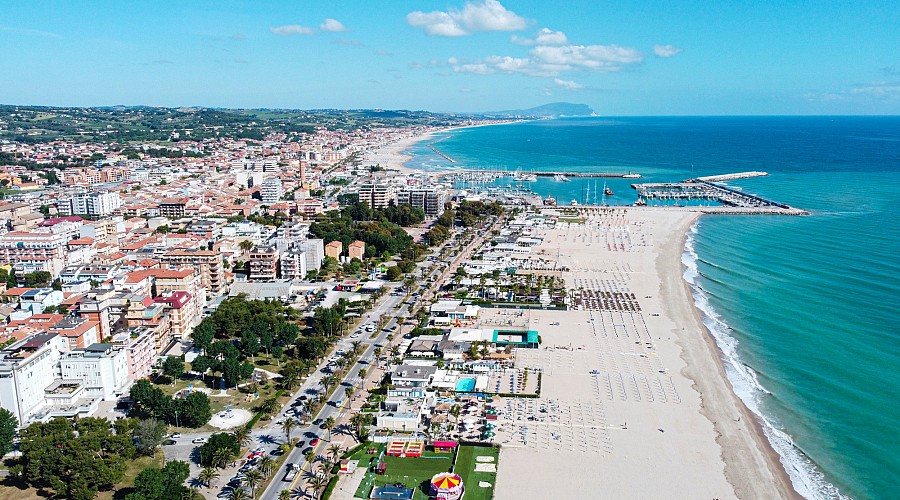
(621, 58)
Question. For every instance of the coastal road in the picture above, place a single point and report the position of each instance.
(272, 433)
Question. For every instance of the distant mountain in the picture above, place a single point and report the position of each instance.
(547, 111)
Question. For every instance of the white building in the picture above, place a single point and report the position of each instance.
(314, 250)
(271, 190)
(429, 200)
(27, 368)
(293, 265)
(101, 368)
(95, 204)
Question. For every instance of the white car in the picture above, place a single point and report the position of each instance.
(200, 440)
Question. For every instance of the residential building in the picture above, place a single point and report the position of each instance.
(429, 200)
(334, 249)
(271, 190)
(181, 317)
(314, 249)
(27, 367)
(207, 263)
(293, 265)
(376, 195)
(356, 250)
(30, 252)
(102, 369)
(173, 207)
(263, 263)
(140, 347)
(96, 204)
(78, 331)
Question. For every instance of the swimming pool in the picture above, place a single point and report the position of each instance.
(465, 385)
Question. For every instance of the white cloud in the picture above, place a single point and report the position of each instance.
(550, 37)
(332, 25)
(488, 15)
(568, 84)
(474, 69)
(877, 90)
(291, 29)
(666, 50)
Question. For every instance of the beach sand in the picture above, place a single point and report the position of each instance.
(635, 399)
(391, 155)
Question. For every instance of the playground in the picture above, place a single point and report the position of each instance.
(416, 472)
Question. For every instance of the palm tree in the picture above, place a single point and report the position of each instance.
(238, 494)
(252, 478)
(266, 465)
(356, 345)
(310, 455)
(348, 392)
(334, 452)
(208, 475)
(362, 373)
(245, 245)
(290, 380)
(329, 424)
(316, 483)
(221, 457)
(287, 426)
(241, 434)
(284, 495)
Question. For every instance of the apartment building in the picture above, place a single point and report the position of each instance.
(263, 263)
(356, 250)
(173, 207)
(376, 195)
(27, 367)
(271, 190)
(334, 249)
(78, 331)
(207, 263)
(429, 200)
(314, 250)
(102, 369)
(96, 204)
(181, 316)
(293, 265)
(140, 347)
(29, 252)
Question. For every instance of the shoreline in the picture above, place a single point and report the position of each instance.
(736, 475)
(392, 155)
(650, 390)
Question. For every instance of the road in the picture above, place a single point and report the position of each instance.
(271, 434)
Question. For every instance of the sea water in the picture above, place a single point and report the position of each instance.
(804, 309)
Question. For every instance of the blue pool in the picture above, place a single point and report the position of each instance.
(465, 385)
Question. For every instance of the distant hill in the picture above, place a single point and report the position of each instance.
(547, 111)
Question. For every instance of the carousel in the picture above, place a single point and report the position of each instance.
(447, 486)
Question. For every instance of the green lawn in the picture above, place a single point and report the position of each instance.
(465, 467)
(411, 471)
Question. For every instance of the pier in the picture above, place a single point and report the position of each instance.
(703, 188)
(442, 155)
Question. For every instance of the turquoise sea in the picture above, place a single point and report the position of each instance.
(805, 310)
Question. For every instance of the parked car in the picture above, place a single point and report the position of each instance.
(175, 435)
(200, 440)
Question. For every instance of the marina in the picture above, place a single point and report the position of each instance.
(703, 188)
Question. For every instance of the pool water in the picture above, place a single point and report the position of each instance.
(465, 385)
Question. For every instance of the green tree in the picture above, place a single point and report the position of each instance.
(245, 245)
(252, 478)
(8, 424)
(149, 435)
(163, 484)
(208, 475)
(173, 367)
(74, 458)
(194, 410)
(219, 441)
(287, 426)
(329, 425)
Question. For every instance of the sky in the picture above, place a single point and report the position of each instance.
(735, 57)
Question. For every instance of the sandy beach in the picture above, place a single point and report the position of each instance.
(634, 401)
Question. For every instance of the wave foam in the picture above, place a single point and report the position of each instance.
(805, 476)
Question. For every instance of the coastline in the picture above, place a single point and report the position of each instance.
(741, 473)
(651, 376)
(392, 156)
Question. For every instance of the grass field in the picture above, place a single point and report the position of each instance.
(465, 467)
(413, 472)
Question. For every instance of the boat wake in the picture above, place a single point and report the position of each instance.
(805, 476)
